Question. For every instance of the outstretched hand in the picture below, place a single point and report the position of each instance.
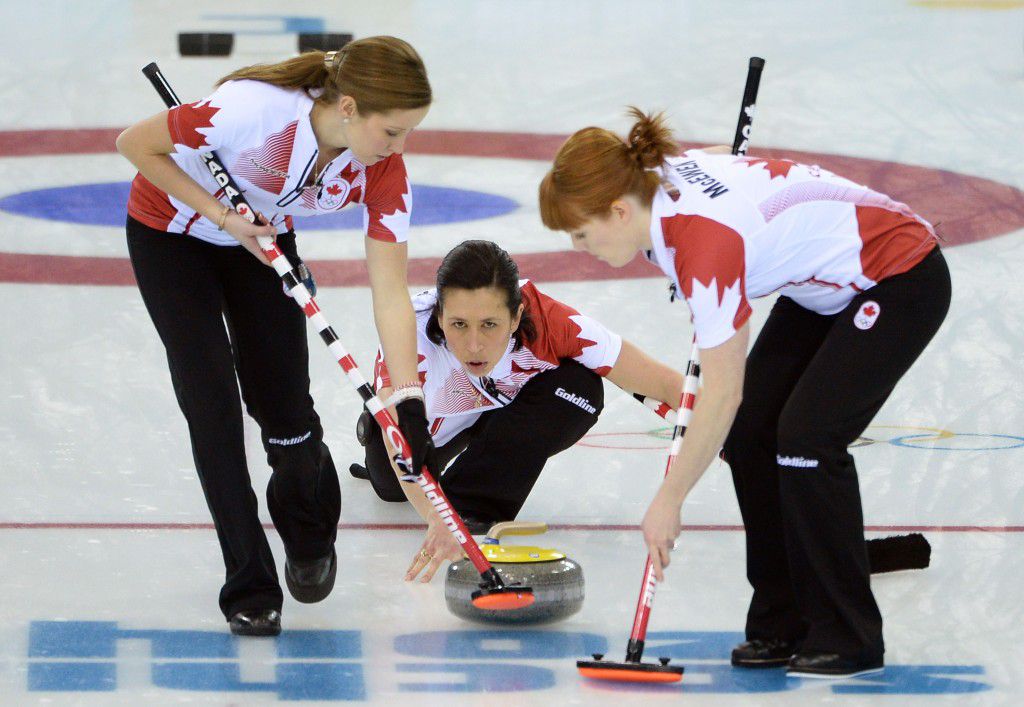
(661, 527)
(438, 547)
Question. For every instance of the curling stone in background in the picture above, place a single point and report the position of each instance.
(325, 41)
(205, 43)
(223, 43)
(556, 580)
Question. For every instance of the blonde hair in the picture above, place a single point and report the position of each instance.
(381, 73)
(595, 167)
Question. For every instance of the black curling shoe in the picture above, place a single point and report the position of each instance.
(758, 653)
(256, 622)
(831, 666)
(310, 582)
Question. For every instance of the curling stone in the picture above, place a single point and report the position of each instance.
(557, 580)
(323, 41)
(205, 43)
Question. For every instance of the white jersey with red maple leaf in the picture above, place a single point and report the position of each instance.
(727, 229)
(455, 399)
(264, 137)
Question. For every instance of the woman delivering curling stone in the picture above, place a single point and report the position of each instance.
(305, 136)
(512, 377)
(863, 289)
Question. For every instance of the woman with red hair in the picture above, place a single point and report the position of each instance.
(862, 289)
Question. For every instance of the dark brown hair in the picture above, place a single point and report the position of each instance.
(595, 167)
(380, 73)
(473, 265)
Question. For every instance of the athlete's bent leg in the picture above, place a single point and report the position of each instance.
(508, 448)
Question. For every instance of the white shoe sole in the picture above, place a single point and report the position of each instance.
(833, 676)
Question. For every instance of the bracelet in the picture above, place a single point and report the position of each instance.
(405, 392)
(223, 218)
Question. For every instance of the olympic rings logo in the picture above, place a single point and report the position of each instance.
(927, 438)
(945, 440)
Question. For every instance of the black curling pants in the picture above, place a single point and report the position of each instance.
(501, 456)
(813, 384)
(226, 324)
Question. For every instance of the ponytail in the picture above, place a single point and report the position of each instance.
(650, 140)
(307, 71)
(595, 167)
(381, 73)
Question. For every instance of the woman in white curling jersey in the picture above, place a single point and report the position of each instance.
(512, 377)
(863, 288)
(302, 137)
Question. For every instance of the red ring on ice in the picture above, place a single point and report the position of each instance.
(964, 209)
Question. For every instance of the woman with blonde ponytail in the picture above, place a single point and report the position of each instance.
(863, 288)
(302, 137)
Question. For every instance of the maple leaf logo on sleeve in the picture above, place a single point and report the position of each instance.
(185, 122)
(776, 168)
(710, 264)
(398, 220)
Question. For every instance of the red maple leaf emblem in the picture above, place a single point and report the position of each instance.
(351, 175)
(185, 122)
(776, 168)
(334, 190)
(870, 311)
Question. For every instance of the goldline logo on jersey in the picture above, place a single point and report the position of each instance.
(867, 315)
(690, 173)
(798, 462)
(576, 400)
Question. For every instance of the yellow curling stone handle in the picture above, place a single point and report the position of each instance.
(495, 552)
(516, 527)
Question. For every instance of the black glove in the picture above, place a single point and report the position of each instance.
(366, 426)
(412, 421)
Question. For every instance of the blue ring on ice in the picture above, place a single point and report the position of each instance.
(104, 204)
